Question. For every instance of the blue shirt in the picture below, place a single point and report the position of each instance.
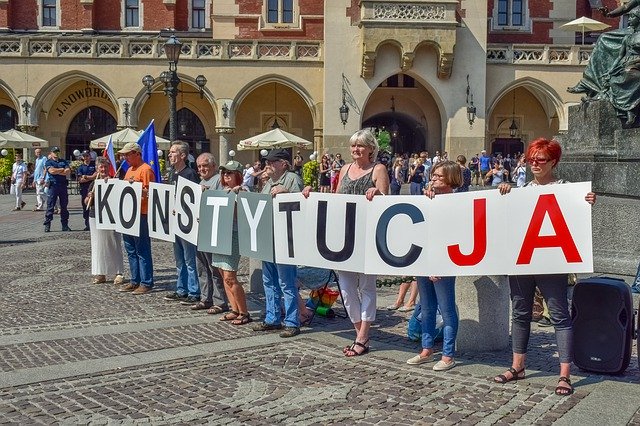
(485, 163)
(38, 170)
(85, 170)
(57, 164)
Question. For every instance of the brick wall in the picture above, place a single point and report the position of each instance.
(538, 10)
(4, 15)
(158, 15)
(107, 14)
(312, 28)
(22, 16)
(75, 16)
(182, 18)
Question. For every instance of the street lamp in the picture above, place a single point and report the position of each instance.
(170, 79)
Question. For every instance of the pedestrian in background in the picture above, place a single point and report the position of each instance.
(58, 173)
(38, 181)
(86, 174)
(19, 177)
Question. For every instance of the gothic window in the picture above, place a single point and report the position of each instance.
(91, 123)
(132, 13)
(49, 13)
(511, 14)
(191, 130)
(8, 118)
(280, 11)
(198, 14)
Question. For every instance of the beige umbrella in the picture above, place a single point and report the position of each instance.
(275, 138)
(584, 24)
(16, 139)
(124, 136)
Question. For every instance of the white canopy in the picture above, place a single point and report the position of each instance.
(583, 24)
(124, 136)
(16, 139)
(275, 138)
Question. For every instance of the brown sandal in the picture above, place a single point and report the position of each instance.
(353, 351)
(563, 390)
(230, 316)
(200, 306)
(515, 375)
(242, 319)
(217, 309)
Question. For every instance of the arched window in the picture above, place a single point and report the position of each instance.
(190, 129)
(8, 118)
(90, 123)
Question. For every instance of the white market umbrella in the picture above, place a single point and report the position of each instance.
(126, 135)
(275, 138)
(584, 24)
(16, 139)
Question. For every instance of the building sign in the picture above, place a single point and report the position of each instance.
(89, 92)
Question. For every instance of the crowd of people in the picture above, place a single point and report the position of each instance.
(208, 282)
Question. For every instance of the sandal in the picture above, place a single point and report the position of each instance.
(229, 316)
(353, 352)
(563, 390)
(200, 306)
(242, 319)
(348, 348)
(217, 309)
(515, 375)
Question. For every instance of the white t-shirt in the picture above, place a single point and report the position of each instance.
(247, 177)
(19, 170)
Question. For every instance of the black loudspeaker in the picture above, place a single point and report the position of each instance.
(603, 325)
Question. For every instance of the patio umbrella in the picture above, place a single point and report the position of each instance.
(124, 136)
(584, 24)
(275, 138)
(16, 139)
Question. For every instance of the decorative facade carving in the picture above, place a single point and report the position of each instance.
(407, 60)
(408, 11)
(445, 65)
(368, 64)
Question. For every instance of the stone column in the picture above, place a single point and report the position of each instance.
(223, 151)
(483, 309)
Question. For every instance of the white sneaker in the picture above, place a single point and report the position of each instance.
(118, 280)
(444, 366)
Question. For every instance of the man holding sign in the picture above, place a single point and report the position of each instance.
(138, 248)
(280, 280)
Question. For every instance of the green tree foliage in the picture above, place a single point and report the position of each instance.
(310, 174)
(384, 141)
(6, 164)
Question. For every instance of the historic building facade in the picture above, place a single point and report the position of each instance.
(72, 71)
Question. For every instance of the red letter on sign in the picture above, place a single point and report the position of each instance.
(479, 237)
(547, 204)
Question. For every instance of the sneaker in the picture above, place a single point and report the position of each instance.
(190, 300)
(47, 228)
(66, 228)
(263, 326)
(16, 209)
(22, 204)
(128, 287)
(544, 322)
(118, 280)
(142, 289)
(56, 211)
(444, 366)
(290, 332)
(175, 297)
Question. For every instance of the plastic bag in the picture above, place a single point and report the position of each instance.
(414, 329)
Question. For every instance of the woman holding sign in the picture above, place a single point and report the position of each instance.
(439, 292)
(543, 156)
(106, 245)
(362, 177)
(227, 264)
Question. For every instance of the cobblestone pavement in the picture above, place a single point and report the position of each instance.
(73, 353)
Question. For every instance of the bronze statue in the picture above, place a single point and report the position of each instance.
(593, 83)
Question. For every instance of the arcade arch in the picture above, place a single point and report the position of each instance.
(91, 123)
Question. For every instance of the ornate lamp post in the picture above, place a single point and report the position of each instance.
(172, 48)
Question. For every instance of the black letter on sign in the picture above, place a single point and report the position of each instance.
(187, 209)
(156, 206)
(381, 235)
(292, 206)
(103, 204)
(349, 233)
(128, 224)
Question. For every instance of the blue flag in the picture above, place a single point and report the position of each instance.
(149, 146)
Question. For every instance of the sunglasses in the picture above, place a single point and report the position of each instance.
(538, 160)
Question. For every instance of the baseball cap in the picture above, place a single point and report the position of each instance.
(278, 154)
(130, 147)
(54, 149)
(232, 166)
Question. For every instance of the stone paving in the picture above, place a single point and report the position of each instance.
(76, 353)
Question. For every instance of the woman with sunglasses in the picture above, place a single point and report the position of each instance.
(439, 292)
(543, 156)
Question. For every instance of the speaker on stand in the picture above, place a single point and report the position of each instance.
(603, 325)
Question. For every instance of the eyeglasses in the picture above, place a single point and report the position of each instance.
(437, 176)
(538, 160)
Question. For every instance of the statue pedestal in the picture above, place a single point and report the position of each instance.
(596, 148)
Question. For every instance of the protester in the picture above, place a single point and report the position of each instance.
(362, 177)
(543, 156)
(19, 178)
(187, 286)
(86, 174)
(439, 292)
(280, 280)
(106, 245)
(212, 293)
(138, 248)
(38, 180)
(58, 172)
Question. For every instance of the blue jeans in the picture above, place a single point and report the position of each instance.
(415, 188)
(186, 268)
(139, 253)
(280, 281)
(57, 192)
(441, 293)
